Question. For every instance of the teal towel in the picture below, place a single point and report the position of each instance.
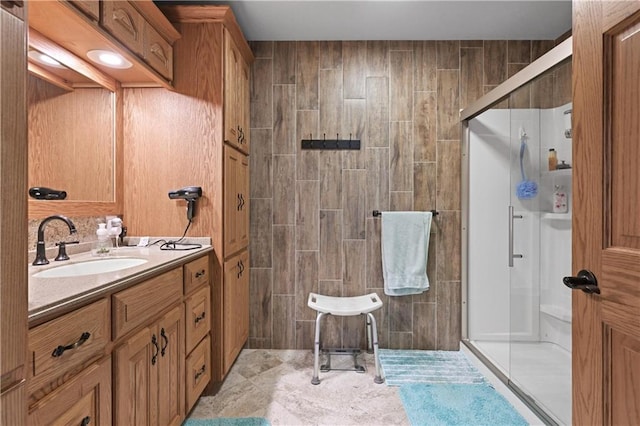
(405, 247)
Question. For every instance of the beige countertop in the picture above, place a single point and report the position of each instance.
(49, 297)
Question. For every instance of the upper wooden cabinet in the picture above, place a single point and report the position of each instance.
(236, 96)
(91, 8)
(137, 30)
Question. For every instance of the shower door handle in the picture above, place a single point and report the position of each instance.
(511, 254)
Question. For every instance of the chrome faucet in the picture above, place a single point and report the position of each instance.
(41, 258)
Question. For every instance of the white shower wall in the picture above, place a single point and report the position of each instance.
(555, 259)
(527, 302)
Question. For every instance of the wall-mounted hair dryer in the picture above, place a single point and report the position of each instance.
(42, 193)
(190, 194)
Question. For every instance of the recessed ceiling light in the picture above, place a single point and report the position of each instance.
(109, 59)
(43, 59)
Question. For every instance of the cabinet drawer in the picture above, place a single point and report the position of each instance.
(86, 399)
(65, 344)
(138, 304)
(157, 52)
(125, 23)
(198, 370)
(196, 273)
(91, 8)
(198, 316)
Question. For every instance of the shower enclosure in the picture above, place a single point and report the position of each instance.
(517, 232)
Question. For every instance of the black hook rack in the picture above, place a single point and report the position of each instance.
(377, 213)
(334, 144)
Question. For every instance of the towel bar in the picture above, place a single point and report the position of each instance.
(377, 213)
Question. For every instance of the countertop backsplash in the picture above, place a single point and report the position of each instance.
(57, 231)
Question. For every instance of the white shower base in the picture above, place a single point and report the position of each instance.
(539, 369)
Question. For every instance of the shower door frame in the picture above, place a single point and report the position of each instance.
(547, 61)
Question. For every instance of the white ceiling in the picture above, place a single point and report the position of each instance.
(401, 20)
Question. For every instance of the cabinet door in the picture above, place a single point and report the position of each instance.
(85, 400)
(135, 379)
(13, 226)
(170, 365)
(243, 105)
(231, 64)
(235, 307)
(236, 206)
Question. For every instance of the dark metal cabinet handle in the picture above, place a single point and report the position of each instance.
(166, 341)
(201, 273)
(239, 202)
(85, 421)
(240, 268)
(199, 318)
(60, 349)
(154, 342)
(585, 281)
(199, 373)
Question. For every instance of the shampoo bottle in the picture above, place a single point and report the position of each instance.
(102, 247)
(553, 159)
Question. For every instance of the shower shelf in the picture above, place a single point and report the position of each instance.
(556, 216)
(557, 172)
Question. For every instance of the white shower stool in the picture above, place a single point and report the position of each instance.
(345, 306)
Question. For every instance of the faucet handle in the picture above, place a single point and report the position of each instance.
(62, 249)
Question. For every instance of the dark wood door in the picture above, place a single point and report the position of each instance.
(606, 226)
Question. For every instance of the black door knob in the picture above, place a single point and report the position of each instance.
(585, 281)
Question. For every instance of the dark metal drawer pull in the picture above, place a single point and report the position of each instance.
(154, 342)
(166, 341)
(199, 373)
(60, 349)
(201, 273)
(200, 317)
(85, 421)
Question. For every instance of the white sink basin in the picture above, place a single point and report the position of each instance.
(91, 267)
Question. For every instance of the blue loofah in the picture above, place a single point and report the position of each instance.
(526, 189)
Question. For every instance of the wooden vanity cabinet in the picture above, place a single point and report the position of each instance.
(198, 319)
(149, 373)
(147, 346)
(84, 400)
(65, 345)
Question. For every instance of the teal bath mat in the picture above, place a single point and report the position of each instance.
(228, 421)
(414, 366)
(457, 404)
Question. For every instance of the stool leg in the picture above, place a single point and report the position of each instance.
(374, 331)
(368, 335)
(316, 351)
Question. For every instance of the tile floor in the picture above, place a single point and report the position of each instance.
(276, 384)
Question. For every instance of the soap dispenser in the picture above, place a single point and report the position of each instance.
(103, 246)
(560, 202)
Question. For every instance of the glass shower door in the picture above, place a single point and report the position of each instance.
(540, 306)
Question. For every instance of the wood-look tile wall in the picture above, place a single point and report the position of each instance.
(313, 209)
